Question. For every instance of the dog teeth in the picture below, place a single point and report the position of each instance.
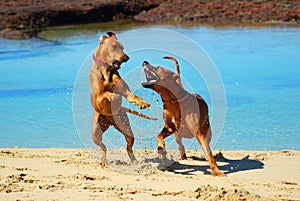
(150, 75)
(153, 74)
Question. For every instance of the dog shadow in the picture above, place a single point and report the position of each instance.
(231, 166)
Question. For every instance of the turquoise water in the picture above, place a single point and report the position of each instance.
(258, 66)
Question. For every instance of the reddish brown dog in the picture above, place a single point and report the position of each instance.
(107, 89)
(185, 114)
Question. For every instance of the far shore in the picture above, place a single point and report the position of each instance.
(24, 19)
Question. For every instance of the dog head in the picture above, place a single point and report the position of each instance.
(158, 78)
(110, 51)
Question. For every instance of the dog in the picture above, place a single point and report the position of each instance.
(107, 88)
(185, 114)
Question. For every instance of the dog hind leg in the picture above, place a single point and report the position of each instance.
(99, 126)
(202, 139)
(122, 124)
(180, 146)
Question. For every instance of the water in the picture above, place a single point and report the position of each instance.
(258, 66)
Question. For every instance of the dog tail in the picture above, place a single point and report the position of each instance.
(177, 68)
(138, 113)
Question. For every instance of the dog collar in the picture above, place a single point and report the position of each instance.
(176, 100)
(98, 61)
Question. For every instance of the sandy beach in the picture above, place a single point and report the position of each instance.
(74, 174)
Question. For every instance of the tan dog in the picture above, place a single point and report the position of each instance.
(185, 114)
(107, 89)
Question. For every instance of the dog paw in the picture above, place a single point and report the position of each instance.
(102, 163)
(143, 104)
(134, 162)
(218, 174)
(183, 157)
(162, 153)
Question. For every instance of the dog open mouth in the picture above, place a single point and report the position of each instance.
(116, 65)
(151, 77)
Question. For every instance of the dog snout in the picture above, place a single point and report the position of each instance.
(145, 63)
(125, 58)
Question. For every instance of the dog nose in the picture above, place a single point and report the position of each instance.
(126, 58)
(145, 63)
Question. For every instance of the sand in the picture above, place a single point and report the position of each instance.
(75, 174)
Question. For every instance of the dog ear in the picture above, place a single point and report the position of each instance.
(112, 34)
(102, 39)
(177, 79)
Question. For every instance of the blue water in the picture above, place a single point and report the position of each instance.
(260, 69)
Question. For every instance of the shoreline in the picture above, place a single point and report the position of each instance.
(92, 29)
(74, 174)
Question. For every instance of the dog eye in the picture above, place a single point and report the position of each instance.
(116, 47)
(159, 69)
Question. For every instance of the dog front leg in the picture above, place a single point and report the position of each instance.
(123, 89)
(161, 146)
(108, 103)
(132, 98)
